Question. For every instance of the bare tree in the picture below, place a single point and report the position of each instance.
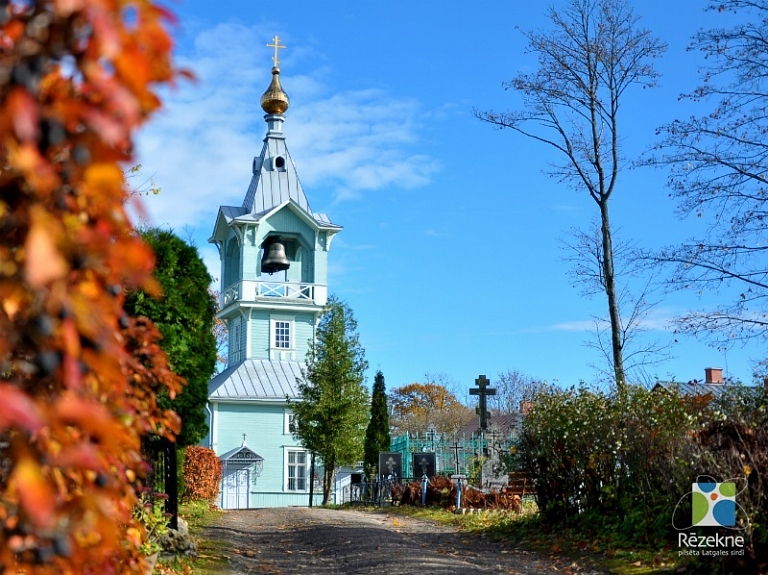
(636, 300)
(718, 168)
(513, 389)
(572, 102)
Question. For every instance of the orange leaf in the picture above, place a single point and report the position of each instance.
(73, 376)
(104, 180)
(35, 493)
(81, 456)
(43, 263)
(12, 295)
(70, 336)
(66, 7)
(24, 113)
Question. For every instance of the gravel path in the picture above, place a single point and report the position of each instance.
(326, 541)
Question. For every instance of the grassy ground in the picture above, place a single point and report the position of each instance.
(209, 560)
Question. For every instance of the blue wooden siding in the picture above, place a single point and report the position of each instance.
(236, 326)
(287, 222)
(264, 426)
(305, 332)
(231, 269)
(259, 327)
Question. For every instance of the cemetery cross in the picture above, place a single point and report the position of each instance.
(483, 391)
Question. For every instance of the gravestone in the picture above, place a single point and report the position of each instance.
(390, 464)
(423, 464)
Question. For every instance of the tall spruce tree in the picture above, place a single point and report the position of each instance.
(331, 415)
(377, 436)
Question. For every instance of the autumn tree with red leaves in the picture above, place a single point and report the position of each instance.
(78, 377)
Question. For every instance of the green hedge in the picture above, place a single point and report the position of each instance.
(626, 463)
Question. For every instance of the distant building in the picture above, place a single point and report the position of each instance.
(500, 427)
(274, 284)
(712, 384)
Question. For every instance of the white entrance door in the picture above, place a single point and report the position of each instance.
(235, 489)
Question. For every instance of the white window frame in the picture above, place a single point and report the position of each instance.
(282, 333)
(282, 353)
(287, 483)
(287, 421)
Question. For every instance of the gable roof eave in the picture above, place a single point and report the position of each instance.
(309, 219)
(224, 218)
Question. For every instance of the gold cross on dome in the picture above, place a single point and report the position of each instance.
(276, 46)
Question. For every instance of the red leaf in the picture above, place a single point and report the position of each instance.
(82, 456)
(18, 410)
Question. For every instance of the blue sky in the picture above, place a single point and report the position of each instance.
(451, 256)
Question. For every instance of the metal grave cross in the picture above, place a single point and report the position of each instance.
(456, 447)
(276, 46)
(483, 391)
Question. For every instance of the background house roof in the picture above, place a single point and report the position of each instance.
(502, 423)
(693, 387)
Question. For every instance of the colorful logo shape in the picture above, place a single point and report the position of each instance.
(713, 504)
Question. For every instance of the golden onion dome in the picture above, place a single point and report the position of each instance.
(275, 100)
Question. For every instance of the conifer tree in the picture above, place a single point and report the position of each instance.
(377, 436)
(185, 314)
(331, 415)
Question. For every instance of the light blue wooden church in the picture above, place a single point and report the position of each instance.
(274, 270)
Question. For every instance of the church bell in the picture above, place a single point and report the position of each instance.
(274, 259)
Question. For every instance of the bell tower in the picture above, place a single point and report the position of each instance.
(274, 259)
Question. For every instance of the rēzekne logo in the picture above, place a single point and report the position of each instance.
(713, 504)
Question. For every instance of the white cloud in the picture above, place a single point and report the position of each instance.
(578, 325)
(657, 319)
(199, 148)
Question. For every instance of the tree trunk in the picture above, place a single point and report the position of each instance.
(613, 303)
(328, 473)
(312, 479)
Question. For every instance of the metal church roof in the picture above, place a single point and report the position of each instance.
(257, 379)
(274, 179)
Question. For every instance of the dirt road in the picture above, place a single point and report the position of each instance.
(325, 541)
